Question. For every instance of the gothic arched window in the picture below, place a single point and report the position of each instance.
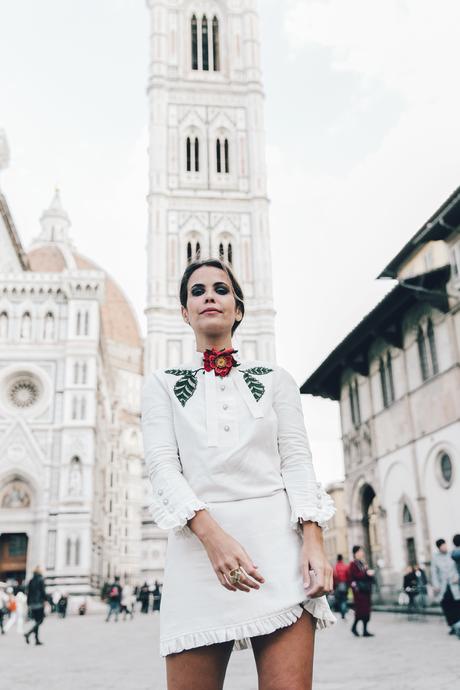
(86, 322)
(78, 326)
(432, 344)
(221, 252)
(189, 252)
(218, 156)
(83, 408)
(197, 155)
(74, 407)
(189, 155)
(194, 28)
(26, 326)
(76, 372)
(383, 383)
(353, 392)
(84, 373)
(215, 44)
(407, 515)
(227, 160)
(198, 251)
(205, 42)
(48, 327)
(68, 551)
(230, 253)
(77, 552)
(390, 377)
(422, 353)
(4, 326)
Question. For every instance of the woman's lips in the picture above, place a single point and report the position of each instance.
(211, 311)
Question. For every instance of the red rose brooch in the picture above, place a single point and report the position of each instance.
(221, 361)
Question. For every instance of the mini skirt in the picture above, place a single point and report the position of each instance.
(196, 610)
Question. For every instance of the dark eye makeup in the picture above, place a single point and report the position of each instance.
(199, 289)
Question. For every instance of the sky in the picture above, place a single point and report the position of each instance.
(362, 122)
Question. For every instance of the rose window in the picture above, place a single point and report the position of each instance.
(23, 393)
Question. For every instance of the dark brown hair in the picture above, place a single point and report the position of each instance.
(215, 263)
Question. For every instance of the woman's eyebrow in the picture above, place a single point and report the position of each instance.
(219, 282)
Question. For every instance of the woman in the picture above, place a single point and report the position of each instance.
(230, 465)
(361, 578)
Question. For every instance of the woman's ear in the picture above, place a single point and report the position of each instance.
(185, 314)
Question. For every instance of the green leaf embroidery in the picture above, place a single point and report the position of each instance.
(259, 371)
(178, 372)
(256, 387)
(185, 386)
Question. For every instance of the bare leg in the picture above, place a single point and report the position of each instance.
(202, 668)
(284, 659)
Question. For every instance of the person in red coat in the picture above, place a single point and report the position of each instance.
(360, 578)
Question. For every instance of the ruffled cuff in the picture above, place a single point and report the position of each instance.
(176, 519)
(311, 505)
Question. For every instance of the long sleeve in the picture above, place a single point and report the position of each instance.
(309, 501)
(174, 502)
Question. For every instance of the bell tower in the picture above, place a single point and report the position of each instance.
(207, 182)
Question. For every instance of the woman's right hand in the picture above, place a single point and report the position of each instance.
(225, 554)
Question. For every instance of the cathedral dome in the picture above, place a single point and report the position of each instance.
(119, 322)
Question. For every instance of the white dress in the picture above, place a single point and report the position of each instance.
(236, 446)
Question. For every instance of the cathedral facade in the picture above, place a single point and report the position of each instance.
(70, 449)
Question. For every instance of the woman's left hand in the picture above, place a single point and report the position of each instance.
(318, 575)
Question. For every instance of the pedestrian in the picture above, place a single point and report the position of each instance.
(445, 579)
(127, 601)
(341, 586)
(143, 596)
(11, 608)
(21, 609)
(36, 597)
(156, 597)
(456, 552)
(361, 578)
(3, 609)
(114, 599)
(62, 604)
(414, 584)
(230, 465)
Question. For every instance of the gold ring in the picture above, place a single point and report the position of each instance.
(235, 575)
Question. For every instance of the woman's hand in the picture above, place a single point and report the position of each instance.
(225, 553)
(321, 580)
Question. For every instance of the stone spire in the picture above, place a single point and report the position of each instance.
(55, 222)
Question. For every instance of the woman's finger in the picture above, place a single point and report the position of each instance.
(251, 571)
(224, 581)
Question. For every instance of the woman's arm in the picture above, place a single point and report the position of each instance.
(174, 501)
(311, 507)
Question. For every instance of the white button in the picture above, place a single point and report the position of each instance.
(225, 407)
(318, 495)
(222, 388)
(226, 428)
(160, 492)
(165, 501)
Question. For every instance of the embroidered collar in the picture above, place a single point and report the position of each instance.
(187, 381)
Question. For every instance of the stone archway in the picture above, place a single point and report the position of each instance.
(370, 523)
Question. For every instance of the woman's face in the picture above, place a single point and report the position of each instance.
(211, 306)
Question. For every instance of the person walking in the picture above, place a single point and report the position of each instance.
(341, 586)
(456, 552)
(36, 597)
(156, 597)
(114, 599)
(21, 609)
(445, 580)
(414, 585)
(230, 465)
(360, 578)
(127, 601)
(144, 596)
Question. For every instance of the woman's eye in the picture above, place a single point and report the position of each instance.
(222, 290)
(197, 291)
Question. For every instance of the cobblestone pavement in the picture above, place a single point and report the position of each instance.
(84, 653)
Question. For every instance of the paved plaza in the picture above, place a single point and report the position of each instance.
(84, 653)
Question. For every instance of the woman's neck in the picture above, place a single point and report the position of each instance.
(218, 344)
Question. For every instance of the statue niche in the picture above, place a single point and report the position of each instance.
(75, 477)
(16, 495)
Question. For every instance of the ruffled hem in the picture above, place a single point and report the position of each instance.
(241, 634)
(321, 514)
(177, 521)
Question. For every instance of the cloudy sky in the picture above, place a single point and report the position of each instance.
(362, 119)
